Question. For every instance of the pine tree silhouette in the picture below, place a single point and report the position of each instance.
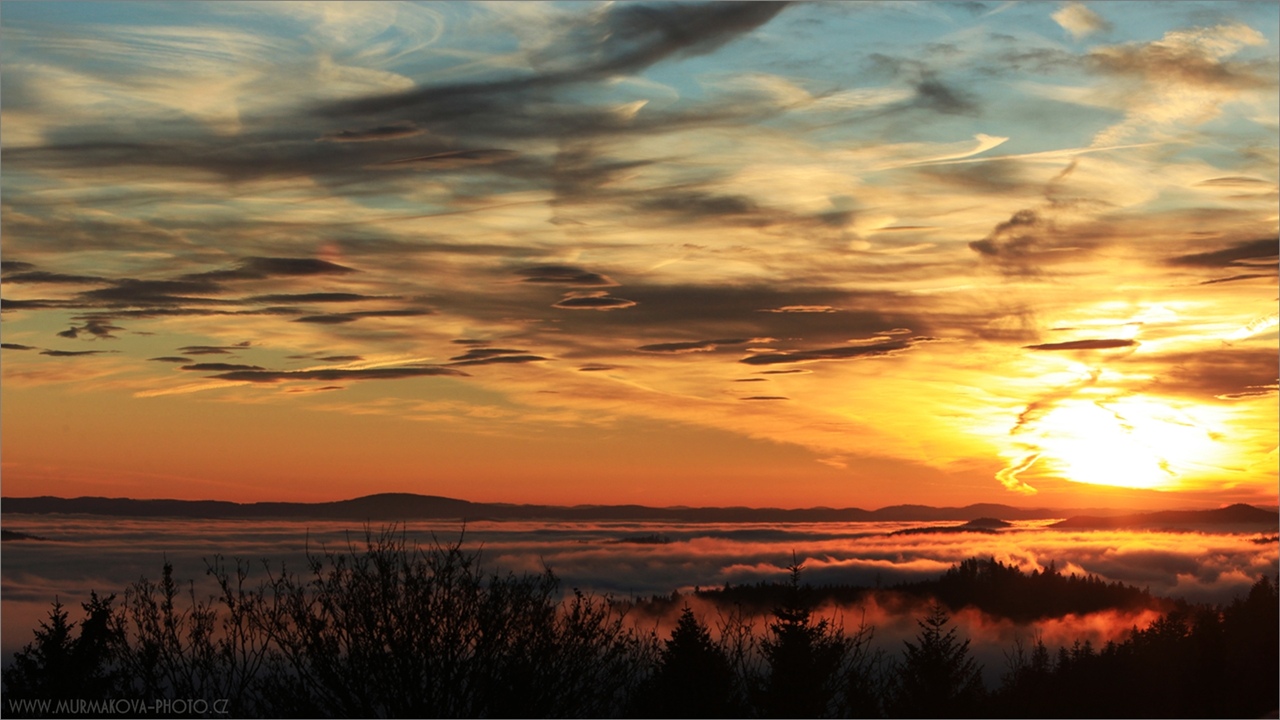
(804, 658)
(937, 678)
(59, 664)
(693, 677)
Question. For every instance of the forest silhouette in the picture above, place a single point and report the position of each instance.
(393, 629)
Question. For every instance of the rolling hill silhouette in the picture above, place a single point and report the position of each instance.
(409, 506)
(1238, 515)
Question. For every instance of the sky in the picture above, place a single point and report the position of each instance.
(845, 254)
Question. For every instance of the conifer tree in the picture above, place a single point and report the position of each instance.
(60, 664)
(803, 657)
(937, 677)
(693, 678)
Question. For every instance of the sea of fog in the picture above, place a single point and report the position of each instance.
(82, 553)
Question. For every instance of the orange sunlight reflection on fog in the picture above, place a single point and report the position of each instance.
(891, 619)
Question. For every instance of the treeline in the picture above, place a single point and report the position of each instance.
(396, 630)
(1005, 591)
(1195, 661)
(987, 584)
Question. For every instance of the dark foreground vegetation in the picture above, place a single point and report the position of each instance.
(395, 630)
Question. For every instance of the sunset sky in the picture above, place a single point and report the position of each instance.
(849, 254)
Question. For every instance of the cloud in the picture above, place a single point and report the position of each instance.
(801, 309)
(1193, 57)
(700, 308)
(874, 349)
(498, 360)
(1181, 81)
(341, 318)
(336, 375)
(695, 205)
(375, 134)
(933, 94)
(1223, 373)
(1008, 475)
(316, 297)
(1235, 278)
(144, 293)
(454, 159)
(41, 276)
(1079, 20)
(565, 275)
(1037, 409)
(492, 356)
(1015, 239)
(16, 346)
(261, 268)
(73, 353)
(97, 326)
(170, 359)
(598, 301)
(10, 305)
(621, 39)
(326, 319)
(637, 35)
(8, 266)
(1246, 183)
(766, 397)
(483, 353)
(1247, 254)
(1054, 231)
(214, 349)
(82, 232)
(219, 367)
(1098, 344)
(692, 346)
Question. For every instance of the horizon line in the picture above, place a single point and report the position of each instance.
(580, 506)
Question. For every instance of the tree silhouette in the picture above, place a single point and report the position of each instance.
(693, 677)
(803, 658)
(59, 665)
(393, 629)
(1027, 684)
(936, 678)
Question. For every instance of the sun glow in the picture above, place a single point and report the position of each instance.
(1129, 442)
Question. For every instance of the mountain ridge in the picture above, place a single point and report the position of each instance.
(411, 506)
(1232, 515)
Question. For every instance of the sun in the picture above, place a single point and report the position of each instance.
(1132, 442)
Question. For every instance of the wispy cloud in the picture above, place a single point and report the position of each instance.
(582, 218)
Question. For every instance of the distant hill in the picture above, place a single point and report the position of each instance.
(986, 525)
(987, 584)
(408, 506)
(1237, 516)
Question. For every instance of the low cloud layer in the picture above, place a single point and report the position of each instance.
(85, 553)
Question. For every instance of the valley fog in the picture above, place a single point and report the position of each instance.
(79, 554)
